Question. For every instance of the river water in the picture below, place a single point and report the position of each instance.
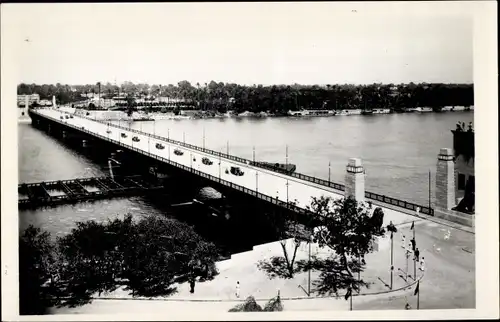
(397, 151)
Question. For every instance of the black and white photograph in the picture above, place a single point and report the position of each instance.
(231, 158)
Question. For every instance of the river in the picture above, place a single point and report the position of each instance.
(397, 151)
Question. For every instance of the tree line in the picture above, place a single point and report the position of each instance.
(276, 98)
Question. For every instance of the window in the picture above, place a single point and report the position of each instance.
(461, 181)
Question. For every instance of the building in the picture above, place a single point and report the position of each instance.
(33, 98)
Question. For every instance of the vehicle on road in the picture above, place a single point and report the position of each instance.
(124, 135)
(236, 171)
(178, 152)
(160, 146)
(135, 139)
(108, 131)
(206, 161)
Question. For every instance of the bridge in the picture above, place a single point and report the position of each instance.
(50, 193)
(261, 180)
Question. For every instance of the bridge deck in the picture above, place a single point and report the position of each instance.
(50, 193)
(256, 179)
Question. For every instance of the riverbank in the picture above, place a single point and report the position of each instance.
(111, 115)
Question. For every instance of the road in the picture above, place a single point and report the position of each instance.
(273, 184)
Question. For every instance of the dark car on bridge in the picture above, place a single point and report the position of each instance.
(124, 135)
(159, 146)
(206, 161)
(178, 152)
(135, 139)
(71, 116)
(108, 131)
(236, 171)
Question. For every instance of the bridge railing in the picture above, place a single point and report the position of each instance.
(297, 175)
(327, 183)
(275, 201)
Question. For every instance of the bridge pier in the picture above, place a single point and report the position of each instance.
(355, 180)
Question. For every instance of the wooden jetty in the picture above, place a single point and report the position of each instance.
(51, 193)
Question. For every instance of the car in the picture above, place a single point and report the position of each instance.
(124, 135)
(206, 161)
(71, 116)
(236, 171)
(159, 146)
(178, 152)
(108, 131)
(67, 116)
(62, 118)
(135, 139)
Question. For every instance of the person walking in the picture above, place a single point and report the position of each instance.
(238, 289)
(192, 282)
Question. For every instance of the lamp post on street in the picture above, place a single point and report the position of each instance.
(256, 181)
(254, 154)
(329, 172)
(287, 184)
(220, 161)
(184, 137)
(203, 138)
(227, 147)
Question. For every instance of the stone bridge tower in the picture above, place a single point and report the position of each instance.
(455, 180)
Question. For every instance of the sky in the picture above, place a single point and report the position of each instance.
(252, 43)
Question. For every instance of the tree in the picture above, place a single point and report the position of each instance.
(36, 271)
(349, 230)
(290, 234)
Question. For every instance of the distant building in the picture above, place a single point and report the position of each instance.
(33, 98)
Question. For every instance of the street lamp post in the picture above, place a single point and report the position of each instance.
(227, 147)
(184, 137)
(220, 161)
(287, 184)
(256, 181)
(329, 172)
(254, 154)
(309, 270)
(203, 138)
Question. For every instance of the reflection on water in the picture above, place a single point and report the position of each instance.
(397, 150)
